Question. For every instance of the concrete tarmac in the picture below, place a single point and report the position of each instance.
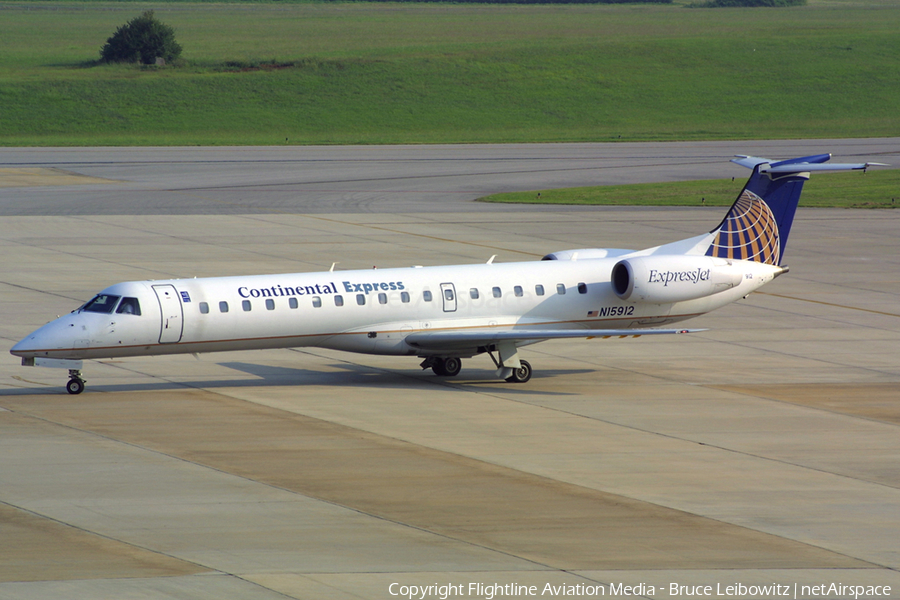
(761, 452)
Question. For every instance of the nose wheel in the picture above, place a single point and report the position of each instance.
(76, 383)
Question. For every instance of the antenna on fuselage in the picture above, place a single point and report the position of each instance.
(331, 270)
(491, 259)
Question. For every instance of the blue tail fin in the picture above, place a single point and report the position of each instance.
(757, 226)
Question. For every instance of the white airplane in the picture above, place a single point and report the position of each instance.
(444, 314)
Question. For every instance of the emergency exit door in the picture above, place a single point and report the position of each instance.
(448, 292)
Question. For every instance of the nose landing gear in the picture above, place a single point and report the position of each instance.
(76, 383)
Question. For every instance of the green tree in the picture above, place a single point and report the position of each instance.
(142, 39)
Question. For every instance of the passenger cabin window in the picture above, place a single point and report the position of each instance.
(317, 302)
(292, 302)
(338, 300)
(246, 305)
(496, 292)
(426, 296)
(129, 306)
(270, 304)
(404, 297)
(361, 299)
(448, 294)
(561, 289)
(204, 308)
(473, 293)
(101, 303)
(223, 307)
(582, 288)
(382, 298)
(539, 290)
(518, 291)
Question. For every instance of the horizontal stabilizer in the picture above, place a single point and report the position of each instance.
(800, 165)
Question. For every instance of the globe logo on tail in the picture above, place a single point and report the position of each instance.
(749, 232)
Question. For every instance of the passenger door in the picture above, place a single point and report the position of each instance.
(172, 315)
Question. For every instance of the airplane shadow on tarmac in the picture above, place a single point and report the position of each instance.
(344, 375)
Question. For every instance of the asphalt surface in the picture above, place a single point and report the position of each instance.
(370, 179)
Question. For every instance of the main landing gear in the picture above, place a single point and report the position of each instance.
(450, 366)
(447, 367)
(76, 383)
(522, 374)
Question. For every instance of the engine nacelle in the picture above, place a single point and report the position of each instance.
(674, 278)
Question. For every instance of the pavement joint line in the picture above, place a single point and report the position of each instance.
(179, 238)
(367, 226)
(704, 160)
(251, 480)
(721, 388)
(708, 445)
(808, 358)
(31, 289)
(439, 534)
(827, 318)
(83, 256)
(88, 531)
(424, 236)
(653, 433)
(271, 211)
(459, 386)
(28, 381)
(261, 586)
(284, 489)
(739, 452)
(868, 310)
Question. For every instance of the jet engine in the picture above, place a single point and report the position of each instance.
(675, 278)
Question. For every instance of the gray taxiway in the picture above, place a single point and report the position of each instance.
(762, 451)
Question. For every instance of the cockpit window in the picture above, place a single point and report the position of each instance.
(101, 303)
(129, 306)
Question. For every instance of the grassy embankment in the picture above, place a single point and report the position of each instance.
(424, 73)
(878, 188)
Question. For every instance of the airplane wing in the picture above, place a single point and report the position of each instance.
(457, 340)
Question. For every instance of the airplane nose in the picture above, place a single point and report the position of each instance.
(54, 336)
(23, 347)
(30, 345)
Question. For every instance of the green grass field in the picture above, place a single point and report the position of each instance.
(425, 73)
(878, 188)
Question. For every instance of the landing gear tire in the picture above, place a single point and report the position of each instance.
(522, 374)
(447, 367)
(75, 386)
(452, 366)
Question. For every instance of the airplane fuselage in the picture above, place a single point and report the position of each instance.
(370, 311)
